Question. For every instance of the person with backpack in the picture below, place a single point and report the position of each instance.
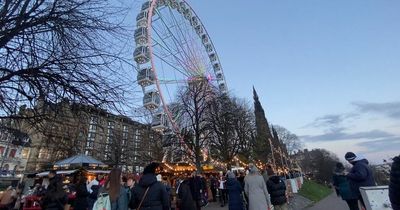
(342, 187)
(113, 195)
(277, 190)
(150, 194)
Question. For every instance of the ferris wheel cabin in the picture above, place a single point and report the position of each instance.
(145, 77)
(151, 100)
(141, 19)
(216, 67)
(159, 122)
(146, 5)
(141, 35)
(141, 55)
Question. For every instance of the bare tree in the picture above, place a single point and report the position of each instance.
(292, 142)
(191, 112)
(54, 49)
(231, 126)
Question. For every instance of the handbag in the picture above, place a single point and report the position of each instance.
(144, 196)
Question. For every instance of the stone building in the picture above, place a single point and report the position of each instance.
(67, 129)
(14, 151)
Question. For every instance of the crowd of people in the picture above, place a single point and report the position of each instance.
(251, 189)
(245, 190)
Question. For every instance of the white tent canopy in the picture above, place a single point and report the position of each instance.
(80, 159)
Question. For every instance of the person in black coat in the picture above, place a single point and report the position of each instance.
(342, 187)
(394, 186)
(156, 197)
(234, 192)
(81, 200)
(213, 187)
(196, 188)
(277, 190)
(360, 174)
(185, 199)
(55, 197)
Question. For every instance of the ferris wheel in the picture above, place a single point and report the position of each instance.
(172, 48)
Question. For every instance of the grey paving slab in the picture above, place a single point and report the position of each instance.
(332, 202)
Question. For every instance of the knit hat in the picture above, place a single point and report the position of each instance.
(230, 174)
(350, 156)
(151, 168)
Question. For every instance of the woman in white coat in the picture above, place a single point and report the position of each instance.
(256, 190)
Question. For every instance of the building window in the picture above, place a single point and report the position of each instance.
(2, 151)
(25, 153)
(44, 154)
(12, 154)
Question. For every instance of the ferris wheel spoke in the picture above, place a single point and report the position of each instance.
(178, 42)
(190, 55)
(166, 47)
(175, 40)
(172, 65)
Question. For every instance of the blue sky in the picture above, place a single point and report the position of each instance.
(326, 70)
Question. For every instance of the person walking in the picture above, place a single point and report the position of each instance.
(277, 189)
(185, 200)
(234, 192)
(394, 186)
(93, 188)
(360, 174)
(256, 190)
(213, 188)
(55, 197)
(149, 193)
(222, 191)
(81, 200)
(116, 191)
(196, 189)
(342, 187)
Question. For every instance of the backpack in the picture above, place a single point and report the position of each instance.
(102, 202)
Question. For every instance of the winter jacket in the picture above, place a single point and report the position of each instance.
(196, 186)
(235, 194)
(277, 190)
(342, 186)
(156, 198)
(55, 197)
(256, 190)
(394, 186)
(122, 202)
(81, 200)
(360, 176)
(185, 199)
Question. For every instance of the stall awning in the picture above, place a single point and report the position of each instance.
(98, 171)
(45, 173)
(79, 160)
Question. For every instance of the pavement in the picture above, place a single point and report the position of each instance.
(332, 202)
(215, 206)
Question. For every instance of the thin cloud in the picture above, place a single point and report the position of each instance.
(385, 144)
(389, 109)
(340, 135)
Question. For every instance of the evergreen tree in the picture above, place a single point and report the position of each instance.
(261, 144)
(277, 148)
